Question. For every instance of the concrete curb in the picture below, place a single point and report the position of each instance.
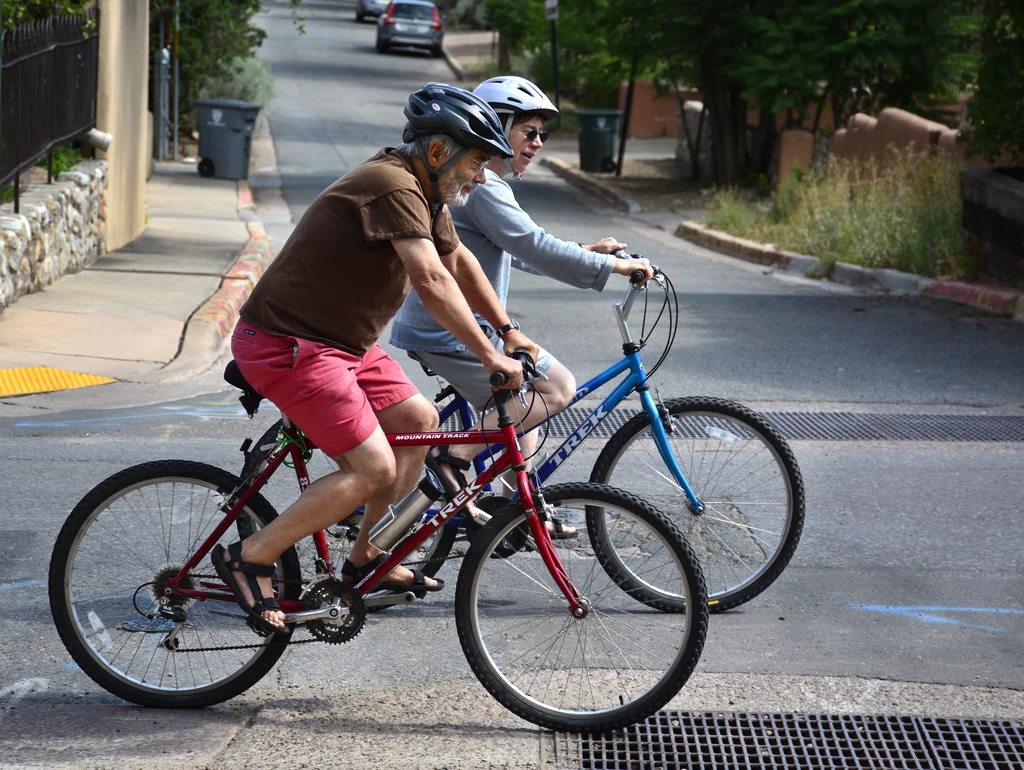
(213, 321)
(457, 69)
(1006, 302)
(586, 182)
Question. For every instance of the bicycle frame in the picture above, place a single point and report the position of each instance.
(636, 379)
(511, 458)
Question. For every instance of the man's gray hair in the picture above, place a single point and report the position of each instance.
(408, 149)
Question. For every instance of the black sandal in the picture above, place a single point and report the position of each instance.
(559, 530)
(457, 466)
(228, 561)
(418, 585)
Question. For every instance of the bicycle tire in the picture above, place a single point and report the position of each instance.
(744, 473)
(102, 574)
(523, 644)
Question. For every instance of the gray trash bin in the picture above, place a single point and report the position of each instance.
(225, 136)
(599, 133)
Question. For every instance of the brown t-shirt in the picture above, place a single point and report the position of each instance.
(338, 280)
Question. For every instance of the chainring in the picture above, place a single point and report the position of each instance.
(324, 592)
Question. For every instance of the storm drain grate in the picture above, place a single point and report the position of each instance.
(686, 740)
(825, 426)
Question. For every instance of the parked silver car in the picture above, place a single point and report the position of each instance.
(374, 8)
(413, 23)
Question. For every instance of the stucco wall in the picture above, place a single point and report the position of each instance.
(60, 229)
(121, 107)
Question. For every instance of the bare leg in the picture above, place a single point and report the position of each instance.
(414, 415)
(365, 472)
(557, 391)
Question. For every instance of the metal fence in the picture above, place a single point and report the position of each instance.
(48, 90)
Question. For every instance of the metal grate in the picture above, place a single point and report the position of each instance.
(685, 740)
(827, 426)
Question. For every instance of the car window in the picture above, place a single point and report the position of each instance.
(408, 11)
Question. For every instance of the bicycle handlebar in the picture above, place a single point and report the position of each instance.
(497, 379)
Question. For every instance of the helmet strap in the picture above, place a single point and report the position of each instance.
(435, 175)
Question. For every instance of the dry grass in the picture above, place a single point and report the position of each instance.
(903, 214)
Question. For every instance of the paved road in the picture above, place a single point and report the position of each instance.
(904, 596)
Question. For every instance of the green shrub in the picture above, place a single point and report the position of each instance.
(903, 214)
(248, 79)
(731, 213)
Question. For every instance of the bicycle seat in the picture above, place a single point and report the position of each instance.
(250, 397)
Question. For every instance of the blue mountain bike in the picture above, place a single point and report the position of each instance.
(720, 471)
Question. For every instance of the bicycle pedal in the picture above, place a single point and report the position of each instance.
(388, 599)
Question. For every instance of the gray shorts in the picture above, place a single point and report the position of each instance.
(466, 374)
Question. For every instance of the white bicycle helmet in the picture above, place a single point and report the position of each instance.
(509, 96)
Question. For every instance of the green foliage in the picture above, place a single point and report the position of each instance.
(248, 79)
(17, 12)
(903, 214)
(214, 36)
(64, 158)
(997, 110)
(731, 213)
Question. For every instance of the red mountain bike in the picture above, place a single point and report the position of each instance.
(566, 634)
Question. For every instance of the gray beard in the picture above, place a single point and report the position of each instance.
(451, 189)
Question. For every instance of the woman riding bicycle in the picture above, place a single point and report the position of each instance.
(496, 229)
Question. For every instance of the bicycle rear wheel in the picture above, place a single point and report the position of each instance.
(743, 472)
(617, 665)
(133, 531)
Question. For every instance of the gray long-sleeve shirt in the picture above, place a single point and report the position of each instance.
(494, 227)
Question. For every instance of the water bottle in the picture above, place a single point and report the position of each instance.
(396, 523)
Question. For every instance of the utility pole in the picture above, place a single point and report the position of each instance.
(551, 9)
(177, 47)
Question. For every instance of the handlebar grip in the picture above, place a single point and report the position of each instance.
(636, 277)
(497, 379)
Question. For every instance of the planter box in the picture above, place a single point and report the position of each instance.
(994, 221)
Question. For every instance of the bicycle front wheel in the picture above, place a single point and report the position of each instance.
(742, 471)
(116, 551)
(617, 665)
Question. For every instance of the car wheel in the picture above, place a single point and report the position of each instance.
(437, 52)
(382, 47)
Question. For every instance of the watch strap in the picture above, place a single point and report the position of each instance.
(513, 324)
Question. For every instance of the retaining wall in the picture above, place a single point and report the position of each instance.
(61, 229)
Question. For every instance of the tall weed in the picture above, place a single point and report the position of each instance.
(903, 213)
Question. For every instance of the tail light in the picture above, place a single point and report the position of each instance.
(437, 20)
(389, 20)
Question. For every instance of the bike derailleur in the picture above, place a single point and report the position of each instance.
(325, 592)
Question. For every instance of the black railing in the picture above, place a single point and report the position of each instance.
(48, 89)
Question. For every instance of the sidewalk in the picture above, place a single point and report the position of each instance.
(157, 310)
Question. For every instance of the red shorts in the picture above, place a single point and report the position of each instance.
(330, 394)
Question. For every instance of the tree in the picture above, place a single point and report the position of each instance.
(997, 109)
(788, 56)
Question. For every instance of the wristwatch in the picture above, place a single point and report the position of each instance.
(513, 324)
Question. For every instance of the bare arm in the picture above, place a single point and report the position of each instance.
(480, 295)
(440, 293)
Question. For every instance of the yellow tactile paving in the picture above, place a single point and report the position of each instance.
(42, 379)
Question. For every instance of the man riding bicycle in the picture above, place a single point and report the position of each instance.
(497, 230)
(307, 337)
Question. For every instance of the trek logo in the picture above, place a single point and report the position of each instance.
(456, 503)
(429, 436)
(582, 432)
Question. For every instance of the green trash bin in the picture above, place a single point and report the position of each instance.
(599, 135)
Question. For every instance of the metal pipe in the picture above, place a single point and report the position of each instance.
(177, 35)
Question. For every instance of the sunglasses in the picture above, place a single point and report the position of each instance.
(533, 133)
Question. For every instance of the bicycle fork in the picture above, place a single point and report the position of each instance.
(579, 606)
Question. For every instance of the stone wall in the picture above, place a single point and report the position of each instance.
(61, 229)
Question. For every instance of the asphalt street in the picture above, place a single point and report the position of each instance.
(904, 595)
